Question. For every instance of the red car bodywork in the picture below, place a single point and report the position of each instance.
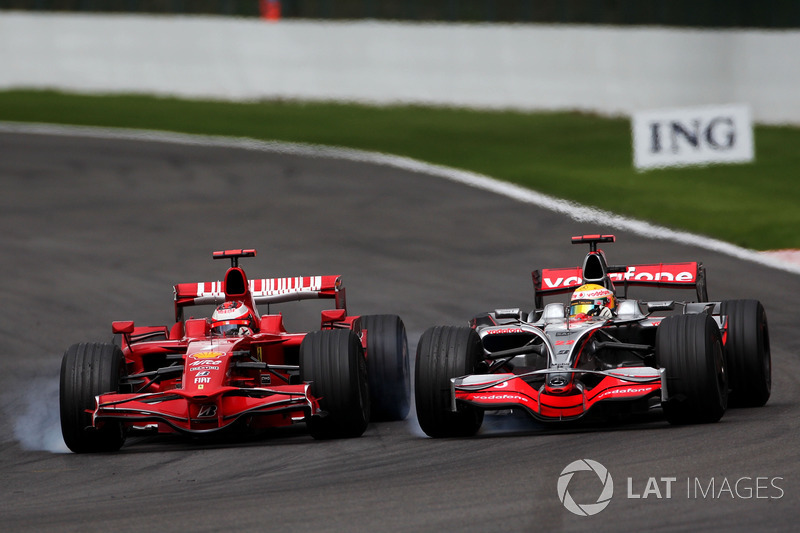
(182, 379)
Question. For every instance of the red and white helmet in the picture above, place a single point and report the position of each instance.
(592, 300)
(229, 317)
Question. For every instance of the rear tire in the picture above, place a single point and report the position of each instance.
(88, 370)
(387, 367)
(446, 352)
(747, 353)
(333, 361)
(689, 347)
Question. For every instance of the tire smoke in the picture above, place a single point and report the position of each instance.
(34, 415)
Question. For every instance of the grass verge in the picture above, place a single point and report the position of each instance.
(585, 158)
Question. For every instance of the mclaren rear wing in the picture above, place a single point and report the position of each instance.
(663, 275)
(263, 291)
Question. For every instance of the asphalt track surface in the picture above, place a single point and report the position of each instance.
(97, 230)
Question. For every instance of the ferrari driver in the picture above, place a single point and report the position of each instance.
(231, 319)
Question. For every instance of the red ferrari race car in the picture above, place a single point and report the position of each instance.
(603, 354)
(238, 368)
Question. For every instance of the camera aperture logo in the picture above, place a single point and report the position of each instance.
(585, 509)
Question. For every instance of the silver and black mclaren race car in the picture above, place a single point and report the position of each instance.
(624, 355)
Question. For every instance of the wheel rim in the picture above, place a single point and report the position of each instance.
(719, 371)
(766, 360)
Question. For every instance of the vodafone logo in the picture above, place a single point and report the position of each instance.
(645, 274)
(624, 391)
(633, 390)
(662, 272)
(554, 283)
(503, 331)
(586, 509)
(597, 293)
(500, 397)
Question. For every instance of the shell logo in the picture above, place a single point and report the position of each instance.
(207, 355)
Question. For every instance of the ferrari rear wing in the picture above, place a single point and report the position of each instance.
(663, 275)
(264, 291)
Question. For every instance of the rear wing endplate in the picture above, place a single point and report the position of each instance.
(662, 275)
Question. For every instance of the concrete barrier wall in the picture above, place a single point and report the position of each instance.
(531, 67)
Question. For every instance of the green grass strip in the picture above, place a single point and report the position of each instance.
(581, 157)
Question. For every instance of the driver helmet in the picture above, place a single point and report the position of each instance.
(592, 300)
(231, 318)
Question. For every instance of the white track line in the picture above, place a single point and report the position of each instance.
(577, 212)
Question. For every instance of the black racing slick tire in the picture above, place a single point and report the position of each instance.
(446, 352)
(747, 353)
(689, 347)
(87, 370)
(388, 367)
(333, 362)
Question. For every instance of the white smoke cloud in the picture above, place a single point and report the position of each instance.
(34, 414)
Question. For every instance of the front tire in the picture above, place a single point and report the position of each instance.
(689, 347)
(747, 353)
(387, 367)
(333, 361)
(88, 370)
(446, 352)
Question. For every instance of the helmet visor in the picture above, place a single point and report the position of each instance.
(578, 307)
(228, 328)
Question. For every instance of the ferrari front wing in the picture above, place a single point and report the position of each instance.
(187, 412)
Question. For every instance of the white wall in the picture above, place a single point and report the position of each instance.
(603, 69)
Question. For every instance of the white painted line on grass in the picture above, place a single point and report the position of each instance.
(577, 212)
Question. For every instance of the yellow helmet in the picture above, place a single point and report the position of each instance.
(591, 300)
